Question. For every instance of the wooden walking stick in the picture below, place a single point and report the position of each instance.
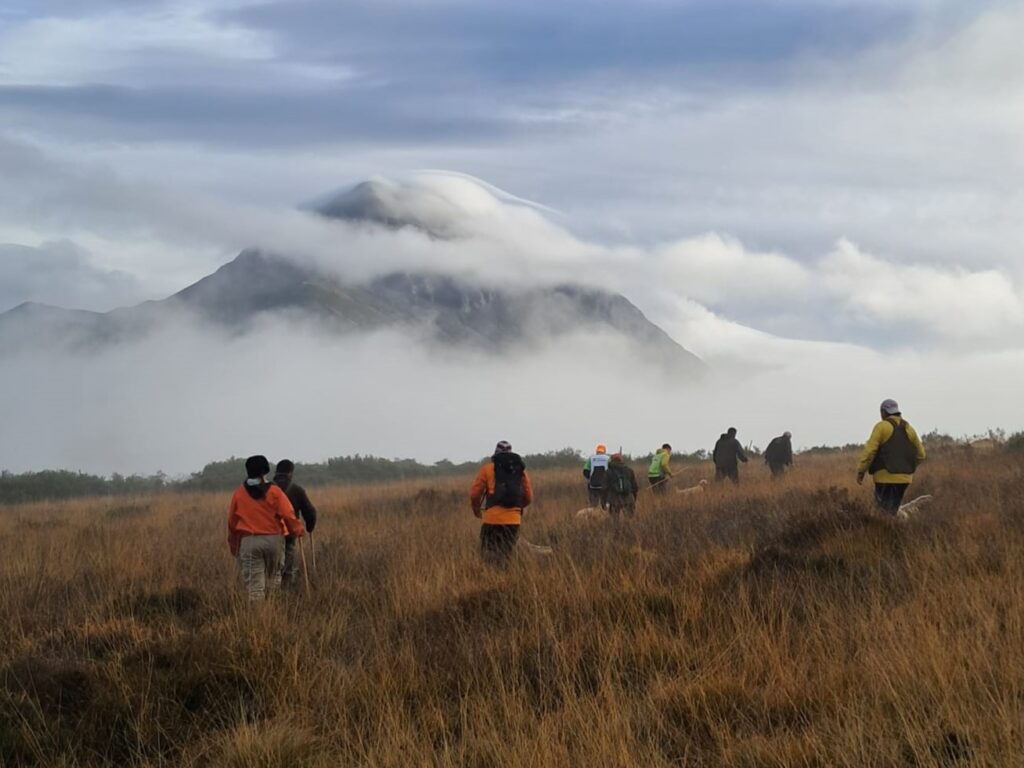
(305, 570)
(312, 549)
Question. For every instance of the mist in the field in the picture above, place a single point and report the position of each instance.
(181, 399)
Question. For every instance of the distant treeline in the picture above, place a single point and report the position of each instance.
(224, 475)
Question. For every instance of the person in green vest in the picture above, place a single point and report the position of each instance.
(658, 473)
(891, 456)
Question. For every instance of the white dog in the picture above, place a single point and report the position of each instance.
(911, 507)
(535, 549)
(699, 488)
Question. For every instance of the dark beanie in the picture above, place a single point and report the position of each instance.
(256, 466)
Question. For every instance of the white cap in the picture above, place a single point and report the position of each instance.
(890, 407)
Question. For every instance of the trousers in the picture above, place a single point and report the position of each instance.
(497, 543)
(889, 496)
(259, 560)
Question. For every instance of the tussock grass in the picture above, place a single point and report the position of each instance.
(773, 624)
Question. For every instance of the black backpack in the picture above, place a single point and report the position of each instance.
(898, 454)
(597, 481)
(618, 481)
(508, 481)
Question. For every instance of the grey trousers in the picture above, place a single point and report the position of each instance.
(259, 559)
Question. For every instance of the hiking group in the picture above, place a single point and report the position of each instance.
(267, 519)
(502, 490)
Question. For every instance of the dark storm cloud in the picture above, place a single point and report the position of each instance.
(414, 71)
(535, 43)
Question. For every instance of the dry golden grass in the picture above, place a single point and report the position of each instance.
(775, 624)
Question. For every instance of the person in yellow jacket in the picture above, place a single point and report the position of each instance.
(891, 455)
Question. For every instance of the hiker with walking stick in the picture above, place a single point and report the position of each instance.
(305, 511)
(658, 474)
(258, 517)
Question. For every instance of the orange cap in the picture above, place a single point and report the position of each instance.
(601, 448)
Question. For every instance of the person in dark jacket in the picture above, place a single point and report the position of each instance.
(779, 454)
(727, 455)
(304, 510)
(621, 487)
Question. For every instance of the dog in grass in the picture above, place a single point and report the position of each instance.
(912, 507)
(699, 488)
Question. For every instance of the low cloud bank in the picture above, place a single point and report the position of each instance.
(183, 399)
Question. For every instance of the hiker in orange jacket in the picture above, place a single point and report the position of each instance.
(258, 518)
(498, 496)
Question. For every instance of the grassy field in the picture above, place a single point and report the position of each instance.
(773, 624)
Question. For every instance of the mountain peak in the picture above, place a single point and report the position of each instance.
(440, 308)
(438, 203)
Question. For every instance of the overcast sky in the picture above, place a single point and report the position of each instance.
(840, 172)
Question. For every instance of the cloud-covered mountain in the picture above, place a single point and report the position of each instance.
(438, 308)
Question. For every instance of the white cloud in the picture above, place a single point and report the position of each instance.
(506, 241)
(952, 304)
(172, 43)
(719, 270)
